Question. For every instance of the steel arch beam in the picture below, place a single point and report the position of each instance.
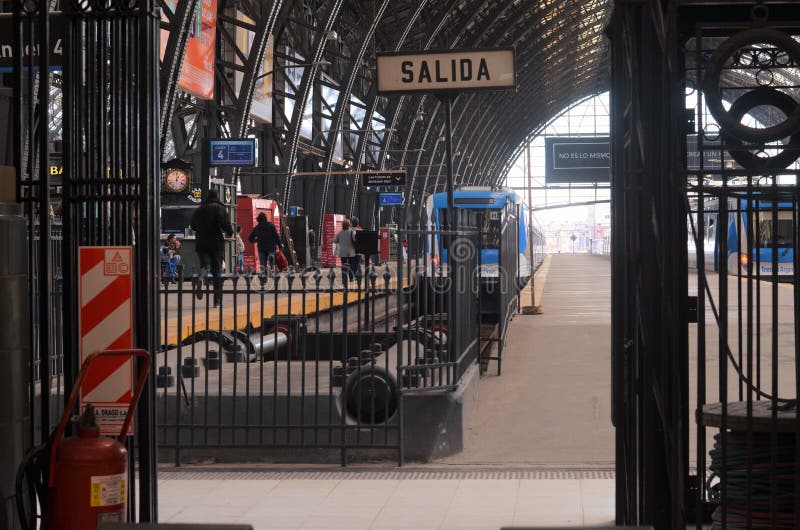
(374, 98)
(536, 132)
(264, 28)
(502, 120)
(401, 101)
(493, 146)
(498, 119)
(526, 37)
(174, 56)
(309, 75)
(534, 60)
(490, 20)
(479, 31)
(342, 105)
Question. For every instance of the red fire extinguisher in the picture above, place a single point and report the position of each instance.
(88, 476)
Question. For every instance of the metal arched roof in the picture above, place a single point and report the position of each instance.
(329, 46)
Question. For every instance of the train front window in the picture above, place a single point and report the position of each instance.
(488, 221)
(781, 232)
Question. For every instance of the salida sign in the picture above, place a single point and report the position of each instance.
(585, 159)
(446, 71)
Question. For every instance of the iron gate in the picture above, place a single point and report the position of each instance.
(97, 83)
(743, 225)
(318, 358)
(705, 123)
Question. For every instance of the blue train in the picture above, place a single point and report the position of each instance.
(489, 210)
(746, 218)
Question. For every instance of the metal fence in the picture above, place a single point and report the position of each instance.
(744, 232)
(55, 355)
(314, 358)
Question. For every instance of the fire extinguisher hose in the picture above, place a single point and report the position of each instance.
(31, 485)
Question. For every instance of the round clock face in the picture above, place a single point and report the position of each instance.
(176, 180)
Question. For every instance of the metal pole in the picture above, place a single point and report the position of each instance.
(532, 309)
(45, 258)
(530, 220)
(448, 112)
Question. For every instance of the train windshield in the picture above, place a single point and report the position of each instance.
(488, 221)
(781, 232)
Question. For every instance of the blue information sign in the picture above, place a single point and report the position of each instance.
(232, 152)
(391, 199)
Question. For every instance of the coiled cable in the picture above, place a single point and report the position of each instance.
(749, 481)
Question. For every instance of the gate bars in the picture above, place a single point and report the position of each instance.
(109, 193)
(317, 358)
(649, 269)
(743, 198)
(737, 197)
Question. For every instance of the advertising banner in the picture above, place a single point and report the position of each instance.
(261, 105)
(197, 73)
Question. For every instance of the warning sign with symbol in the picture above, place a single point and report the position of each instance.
(106, 323)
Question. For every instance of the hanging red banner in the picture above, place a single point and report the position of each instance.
(197, 73)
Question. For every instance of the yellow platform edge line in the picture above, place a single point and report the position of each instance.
(256, 316)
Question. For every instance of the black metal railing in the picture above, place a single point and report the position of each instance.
(313, 358)
(55, 355)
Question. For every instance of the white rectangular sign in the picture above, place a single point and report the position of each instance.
(447, 71)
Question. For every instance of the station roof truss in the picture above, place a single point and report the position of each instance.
(325, 108)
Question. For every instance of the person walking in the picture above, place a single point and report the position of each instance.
(211, 226)
(239, 250)
(344, 247)
(266, 236)
(311, 236)
(356, 227)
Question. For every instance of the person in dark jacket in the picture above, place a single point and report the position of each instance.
(266, 236)
(211, 225)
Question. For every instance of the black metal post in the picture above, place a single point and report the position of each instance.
(448, 113)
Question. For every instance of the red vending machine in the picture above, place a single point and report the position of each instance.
(385, 246)
(248, 207)
(331, 225)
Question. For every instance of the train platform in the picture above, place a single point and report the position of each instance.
(526, 416)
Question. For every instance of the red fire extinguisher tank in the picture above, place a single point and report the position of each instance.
(87, 477)
(92, 473)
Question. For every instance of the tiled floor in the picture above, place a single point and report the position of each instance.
(388, 503)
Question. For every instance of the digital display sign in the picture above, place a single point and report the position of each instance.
(391, 199)
(584, 159)
(372, 179)
(241, 152)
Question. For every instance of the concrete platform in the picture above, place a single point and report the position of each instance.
(420, 498)
(552, 404)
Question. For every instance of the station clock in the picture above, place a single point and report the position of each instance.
(177, 180)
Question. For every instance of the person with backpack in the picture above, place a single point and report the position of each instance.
(266, 236)
(211, 226)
